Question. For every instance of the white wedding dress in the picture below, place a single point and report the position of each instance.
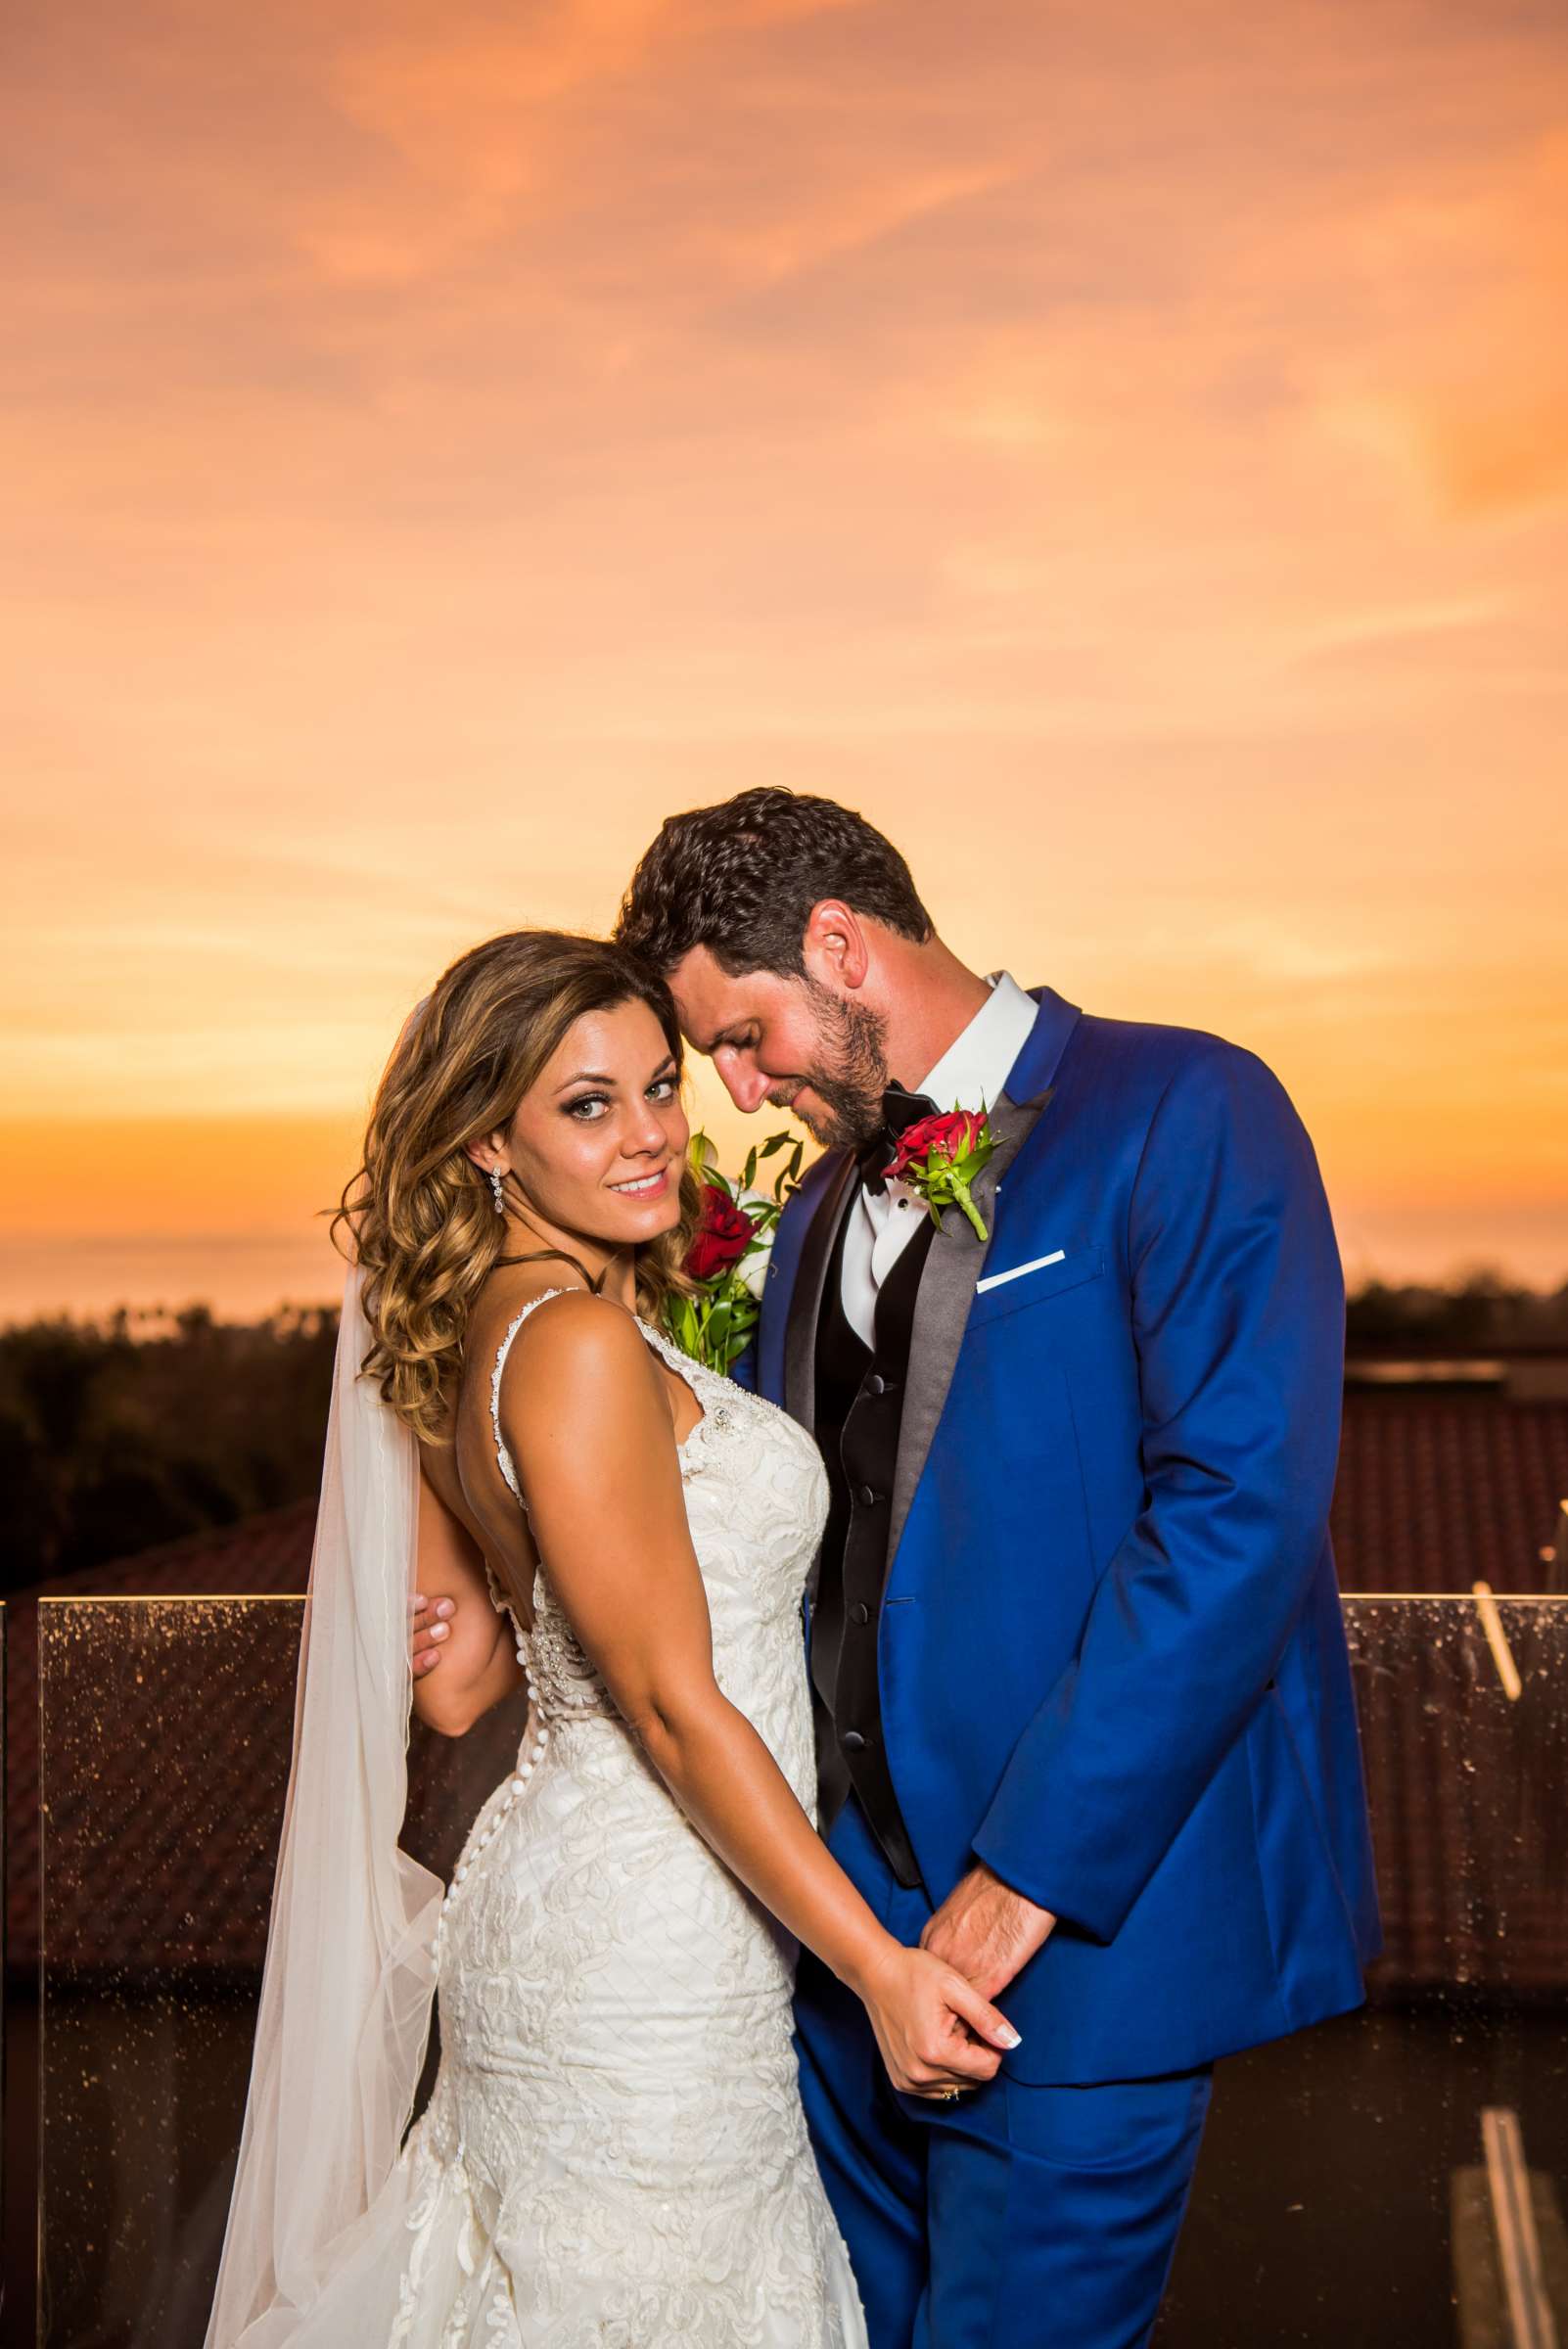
(615, 2155)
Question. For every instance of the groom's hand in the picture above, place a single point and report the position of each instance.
(429, 1624)
(988, 1931)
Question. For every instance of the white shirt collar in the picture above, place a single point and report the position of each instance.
(978, 1062)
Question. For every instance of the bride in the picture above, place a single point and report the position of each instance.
(613, 2153)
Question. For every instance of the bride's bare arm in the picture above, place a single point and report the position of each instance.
(477, 1652)
(585, 1416)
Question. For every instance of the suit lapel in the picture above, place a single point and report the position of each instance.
(806, 1296)
(955, 1261)
(957, 1257)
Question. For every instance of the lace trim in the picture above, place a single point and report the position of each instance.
(498, 1598)
(718, 1411)
(503, 1456)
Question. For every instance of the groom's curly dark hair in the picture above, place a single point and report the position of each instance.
(741, 879)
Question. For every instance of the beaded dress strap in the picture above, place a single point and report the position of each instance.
(502, 1455)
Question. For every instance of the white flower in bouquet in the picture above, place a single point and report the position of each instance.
(753, 1265)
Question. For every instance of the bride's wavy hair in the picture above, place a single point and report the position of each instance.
(419, 1214)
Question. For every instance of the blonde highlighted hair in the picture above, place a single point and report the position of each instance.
(419, 1213)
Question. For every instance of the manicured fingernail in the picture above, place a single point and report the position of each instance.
(444, 1606)
(438, 1631)
(1008, 2035)
(418, 1600)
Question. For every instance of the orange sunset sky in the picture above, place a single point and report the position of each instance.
(1123, 449)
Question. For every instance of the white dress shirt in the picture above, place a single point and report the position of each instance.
(970, 1075)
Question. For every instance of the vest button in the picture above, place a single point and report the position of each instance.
(876, 1384)
(852, 1742)
(866, 1495)
(859, 1612)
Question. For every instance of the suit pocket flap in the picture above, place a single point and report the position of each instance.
(1005, 1288)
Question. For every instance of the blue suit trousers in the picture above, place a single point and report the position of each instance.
(1020, 2215)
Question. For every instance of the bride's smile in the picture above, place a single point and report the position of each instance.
(591, 1158)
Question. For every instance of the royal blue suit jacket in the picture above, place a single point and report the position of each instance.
(1111, 1653)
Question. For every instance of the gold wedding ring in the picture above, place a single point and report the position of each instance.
(948, 2095)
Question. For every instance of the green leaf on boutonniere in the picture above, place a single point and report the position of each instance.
(939, 1158)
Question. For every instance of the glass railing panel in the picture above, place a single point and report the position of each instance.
(165, 1753)
(1342, 2194)
(165, 1732)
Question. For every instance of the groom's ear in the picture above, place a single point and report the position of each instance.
(835, 948)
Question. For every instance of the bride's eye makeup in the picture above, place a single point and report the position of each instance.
(663, 1087)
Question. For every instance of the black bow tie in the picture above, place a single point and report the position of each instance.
(899, 1111)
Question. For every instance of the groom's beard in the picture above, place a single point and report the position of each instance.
(848, 1081)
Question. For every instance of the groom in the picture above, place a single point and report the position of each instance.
(1084, 1714)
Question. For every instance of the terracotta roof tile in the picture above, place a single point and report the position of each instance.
(1442, 1488)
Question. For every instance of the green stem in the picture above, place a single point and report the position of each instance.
(960, 1191)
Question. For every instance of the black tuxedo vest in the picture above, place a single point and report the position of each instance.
(860, 1410)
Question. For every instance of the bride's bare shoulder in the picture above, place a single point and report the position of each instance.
(573, 1336)
(570, 1355)
(549, 1334)
(508, 1311)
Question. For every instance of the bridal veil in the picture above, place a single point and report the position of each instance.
(350, 1975)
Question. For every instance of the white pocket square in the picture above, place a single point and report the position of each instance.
(1036, 1264)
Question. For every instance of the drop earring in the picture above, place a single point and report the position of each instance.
(496, 1186)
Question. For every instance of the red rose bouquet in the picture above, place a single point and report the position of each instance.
(728, 1258)
(939, 1159)
(723, 1235)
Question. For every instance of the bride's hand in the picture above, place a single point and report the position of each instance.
(935, 2030)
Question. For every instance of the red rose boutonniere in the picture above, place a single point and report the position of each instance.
(939, 1159)
(727, 1260)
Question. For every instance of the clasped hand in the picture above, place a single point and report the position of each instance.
(987, 1930)
(937, 2029)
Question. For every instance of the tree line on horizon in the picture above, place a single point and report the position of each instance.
(120, 1435)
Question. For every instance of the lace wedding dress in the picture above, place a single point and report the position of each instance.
(613, 2155)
